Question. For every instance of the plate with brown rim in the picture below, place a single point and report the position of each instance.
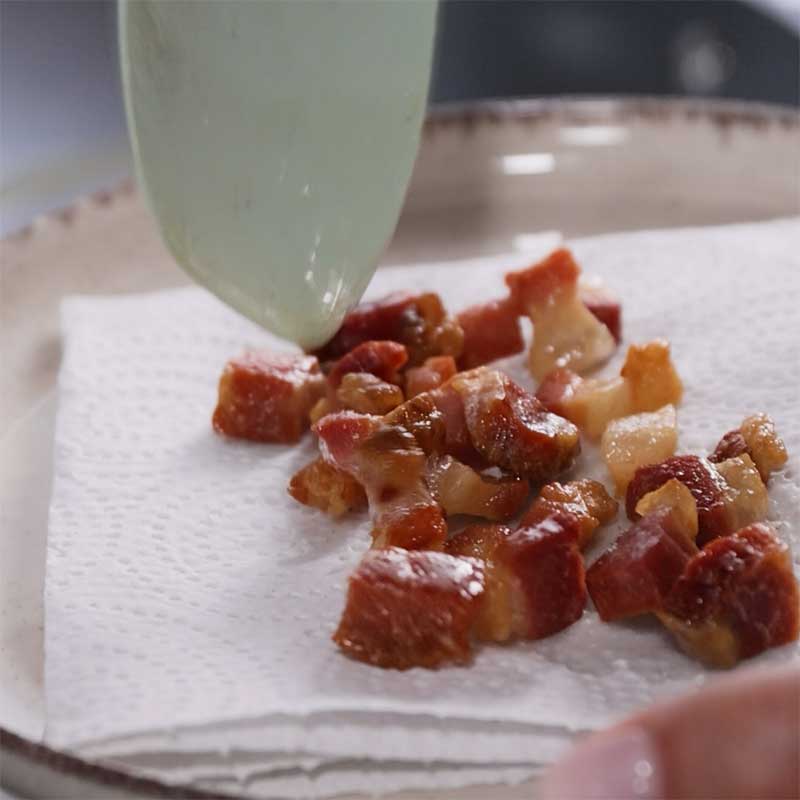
(488, 177)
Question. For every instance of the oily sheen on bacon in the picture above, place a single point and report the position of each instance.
(417, 321)
(481, 416)
(424, 609)
(411, 609)
(267, 397)
(412, 425)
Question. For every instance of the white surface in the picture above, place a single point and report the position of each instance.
(188, 593)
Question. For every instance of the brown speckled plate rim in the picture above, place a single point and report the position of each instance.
(724, 114)
(593, 109)
(103, 776)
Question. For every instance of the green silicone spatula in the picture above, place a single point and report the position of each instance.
(274, 140)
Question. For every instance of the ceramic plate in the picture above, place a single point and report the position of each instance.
(488, 177)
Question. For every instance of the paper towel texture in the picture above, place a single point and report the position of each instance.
(190, 601)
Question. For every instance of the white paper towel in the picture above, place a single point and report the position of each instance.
(190, 600)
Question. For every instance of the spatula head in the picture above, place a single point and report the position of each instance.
(275, 140)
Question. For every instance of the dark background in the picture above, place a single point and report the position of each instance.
(490, 48)
(62, 127)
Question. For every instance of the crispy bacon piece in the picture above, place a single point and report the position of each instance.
(479, 418)
(535, 580)
(729, 495)
(700, 477)
(432, 374)
(437, 334)
(756, 437)
(459, 489)
(491, 331)
(511, 429)
(363, 392)
(562, 391)
(604, 306)
(635, 575)
(650, 376)
(422, 417)
(548, 580)
(383, 359)
(745, 495)
(675, 496)
(631, 442)
(495, 620)
(648, 381)
(586, 499)
(565, 333)
(417, 321)
(482, 418)
(410, 521)
(388, 462)
(364, 380)
(731, 445)
(456, 438)
(328, 488)
(736, 598)
(411, 609)
(480, 540)
(267, 397)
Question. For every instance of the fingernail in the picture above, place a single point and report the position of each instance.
(621, 764)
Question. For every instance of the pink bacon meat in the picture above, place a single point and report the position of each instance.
(267, 397)
(565, 333)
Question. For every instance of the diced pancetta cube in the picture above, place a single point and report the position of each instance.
(448, 405)
(430, 375)
(565, 333)
(757, 437)
(417, 321)
(546, 576)
(675, 496)
(729, 495)
(383, 359)
(363, 392)
(491, 331)
(736, 598)
(410, 519)
(635, 575)
(535, 579)
(459, 489)
(632, 442)
(586, 499)
(411, 609)
(267, 397)
(745, 495)
(604, 306)
(482, 418)
(648, 381)
(494, 622)
(703, 481)
(511, 429)
(651, 377)
(389, 463)
(386, 319)
(480, 415)
(423, 418)
(328, 488)
(365, 380)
